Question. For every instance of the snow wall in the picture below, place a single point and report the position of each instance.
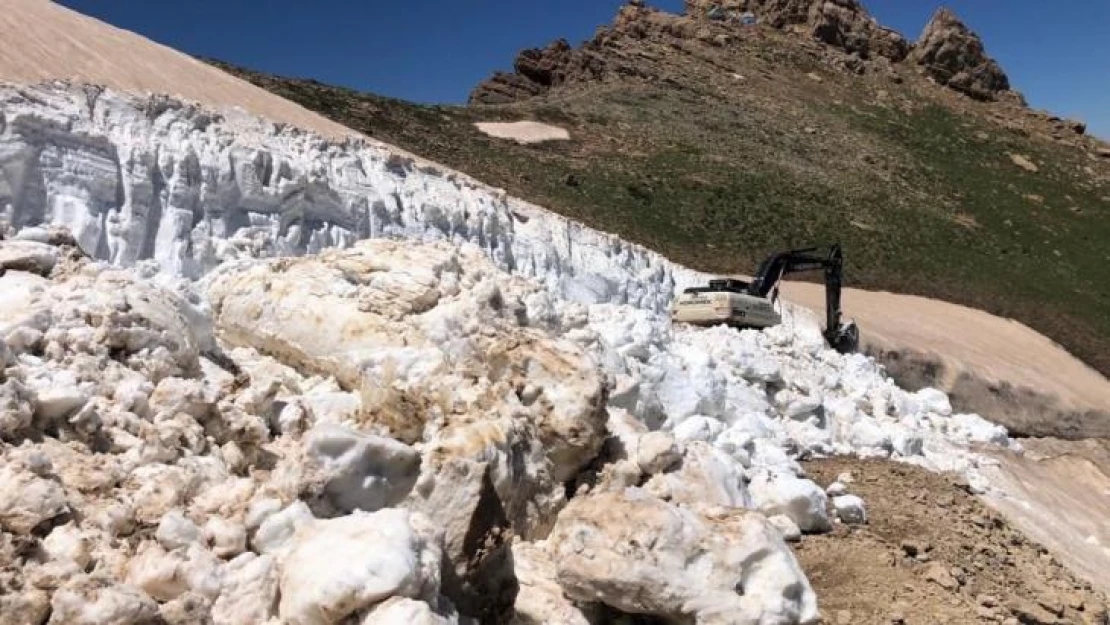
(162, 180)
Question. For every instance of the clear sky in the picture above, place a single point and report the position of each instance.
(1057, 53)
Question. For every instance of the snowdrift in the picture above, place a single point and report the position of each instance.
(293, 350)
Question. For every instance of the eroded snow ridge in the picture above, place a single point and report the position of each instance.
(486, 417)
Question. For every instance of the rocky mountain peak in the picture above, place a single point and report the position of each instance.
(953, 55)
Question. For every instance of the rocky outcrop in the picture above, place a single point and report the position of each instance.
(538, 70)
(948, 51)
(843, 24)
(953, 55)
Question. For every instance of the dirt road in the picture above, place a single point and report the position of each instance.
(992, 366)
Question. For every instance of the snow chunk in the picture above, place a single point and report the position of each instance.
(801, 500)
(87, 600)
(641, 555)
(277, 530)
(176, 530)
(337, 567)
(363, 472)
(850, 509)
(249, 590)
(27, 500)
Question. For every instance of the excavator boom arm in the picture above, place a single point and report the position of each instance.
(798, 261)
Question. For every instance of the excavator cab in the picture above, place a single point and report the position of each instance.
(742, 304)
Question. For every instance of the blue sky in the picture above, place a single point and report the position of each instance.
(1056, 53)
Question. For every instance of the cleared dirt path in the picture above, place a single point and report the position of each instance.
(996, 367)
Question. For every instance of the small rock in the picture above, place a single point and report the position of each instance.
(985, 613)
(1052, 604)
(939, 574)
(850, 509)
(988, 601)
(846, 478)
(836, 489)
(916, 548)
(1024, 163)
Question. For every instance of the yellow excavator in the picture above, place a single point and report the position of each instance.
(740, 304)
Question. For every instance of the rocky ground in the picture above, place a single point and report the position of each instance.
(932, 553)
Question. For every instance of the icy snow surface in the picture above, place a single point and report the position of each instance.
(189, 201)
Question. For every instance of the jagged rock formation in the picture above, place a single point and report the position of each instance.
(843, 24)
(954, 56)
(948, 50)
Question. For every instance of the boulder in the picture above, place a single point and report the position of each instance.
(634, 553)
(953, 55)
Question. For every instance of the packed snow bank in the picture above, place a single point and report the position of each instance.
(498, 361)
(166, 181)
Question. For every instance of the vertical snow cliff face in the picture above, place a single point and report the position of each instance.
(157, 179)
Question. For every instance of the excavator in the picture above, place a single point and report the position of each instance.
(741, 304)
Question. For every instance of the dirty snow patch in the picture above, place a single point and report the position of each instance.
(524, 131)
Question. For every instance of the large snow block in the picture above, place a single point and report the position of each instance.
(641, 555)
(337, 567)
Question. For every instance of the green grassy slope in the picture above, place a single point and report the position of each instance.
(732, 154)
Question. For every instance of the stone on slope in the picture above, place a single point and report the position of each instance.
(339, 567)
(641, 555)
(954, 56)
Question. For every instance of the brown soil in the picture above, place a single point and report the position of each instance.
(976, 567)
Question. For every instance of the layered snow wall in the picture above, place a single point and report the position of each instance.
(161, 180)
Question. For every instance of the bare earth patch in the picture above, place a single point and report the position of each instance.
(932, 553)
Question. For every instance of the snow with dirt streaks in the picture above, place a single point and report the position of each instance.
(187, 419)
